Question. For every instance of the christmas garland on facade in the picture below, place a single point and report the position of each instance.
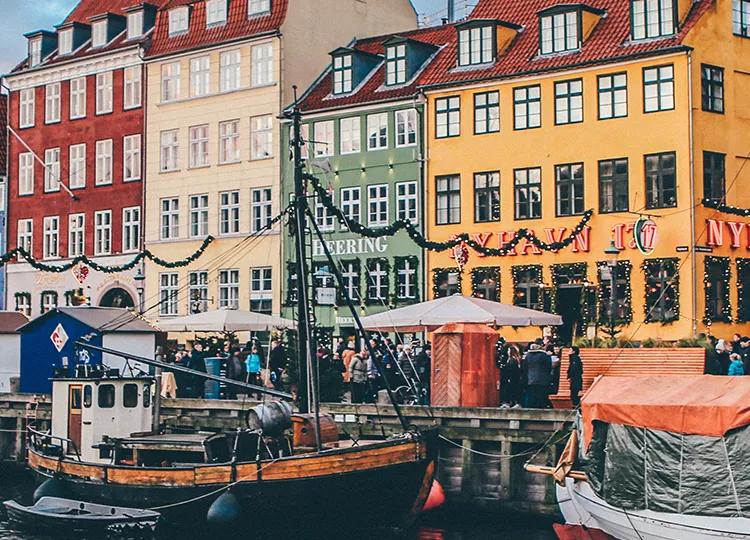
(372, 264)
(479, 274)
(561, 271)
(516, 271)
(42, 296)
(725, 208)
(24, 295)
(626, 267)
(340, 300)
(421, 241)
(399, 263)
(652, 295)
(743, 282)
(437, 273)
(726, 310)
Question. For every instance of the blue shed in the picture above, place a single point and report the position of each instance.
(47, 342)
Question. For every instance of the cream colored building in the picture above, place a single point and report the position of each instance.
(218, 75)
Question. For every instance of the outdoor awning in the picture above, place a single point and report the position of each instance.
(225, 320)
(457, 309)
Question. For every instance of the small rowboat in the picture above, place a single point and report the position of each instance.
(56, 514)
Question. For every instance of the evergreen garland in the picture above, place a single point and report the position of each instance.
(726, 310)
(45, 293)
(560, 271)
(538, 271)
(652, 267)
(437, 273)
(743, 281)
(626, 268)
(479, 274)
(725, 208)
(340, 299)
(399, 263)
(371, 282)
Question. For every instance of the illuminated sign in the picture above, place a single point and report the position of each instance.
(737, 234)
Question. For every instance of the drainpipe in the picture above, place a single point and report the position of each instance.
(693, 255)
(423, 171)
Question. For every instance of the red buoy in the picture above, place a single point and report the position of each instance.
(436, 498)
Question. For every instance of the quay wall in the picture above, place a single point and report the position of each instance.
(481, 457)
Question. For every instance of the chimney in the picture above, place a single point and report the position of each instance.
(451, 10)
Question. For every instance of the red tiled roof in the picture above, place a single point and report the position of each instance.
(609, 41)
(373, 90)
(238, 26)
(3, 134)
(91, 8)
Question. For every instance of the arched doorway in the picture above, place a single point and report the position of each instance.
(117, 298)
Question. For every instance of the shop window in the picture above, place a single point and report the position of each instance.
(446, 282)
(662, 290)
(485, 283)
(743, 290)
(620, 311)
(106, 396)
(716, 284)
(528, 287)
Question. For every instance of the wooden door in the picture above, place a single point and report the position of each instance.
(75, 402)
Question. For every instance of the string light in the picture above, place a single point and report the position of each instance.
(725, 208)
(743, 279)
(726, 304)
(669, 268)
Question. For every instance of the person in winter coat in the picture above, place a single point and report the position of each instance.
(722, 354)
(745, 353)
(253, 364)
(537, 371)
(736, 367)
(236, 372)
(277, 363)
(358, 378)
(510, 377)
(197, 362)
(575, 376)
(347, 357)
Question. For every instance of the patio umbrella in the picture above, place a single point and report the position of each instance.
(225, 320)
(457, 309)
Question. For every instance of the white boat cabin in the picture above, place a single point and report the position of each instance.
(87, 410)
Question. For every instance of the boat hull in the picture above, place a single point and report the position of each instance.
(581, 506)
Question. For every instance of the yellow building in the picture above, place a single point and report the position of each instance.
(218, 75)
(541, 111)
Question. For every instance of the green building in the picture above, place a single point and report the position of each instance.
(362, 123)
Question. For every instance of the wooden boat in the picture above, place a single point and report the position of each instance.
(54, 514)
(657, 458)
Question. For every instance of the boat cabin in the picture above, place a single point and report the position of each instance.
(88, 410)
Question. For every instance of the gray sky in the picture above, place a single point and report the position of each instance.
(21, 16)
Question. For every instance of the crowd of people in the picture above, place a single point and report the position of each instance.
(728, 357)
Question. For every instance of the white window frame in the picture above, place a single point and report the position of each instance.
(200, 76)
(133, 88)
(35, 52)
(476, 46)
(52, 103)
(560, 32)
(230, 70)
(448, 117)
(405, 119)
(258, 7)
(49, 301)
(395, 64)
(197, 292)
(170, 81)
(78, 98)
(262, 64)
(27, 108)
(168, 293)
(169, 218)
(407, 201)
(324, 138)
(650, 23)
(131, 229)
(261, 208)
(51, 170)
(103, 232)
(99, 34)
(229, 142)
(179, 20)
(25, 237)
(351, 205)
(350, 135)
(198, 145)
(229, 212)
(26, 167)
(76, 235)
(65, 41)
(51, 243)
(131, 158)
(343, 74)
(377, 131)
(261, 287)
(261, 137)
(104, 161)
(135, 24)
(170, 150)
(377, 205)
(229, 289)
(77, 166)
(198, 208)
(216, 12)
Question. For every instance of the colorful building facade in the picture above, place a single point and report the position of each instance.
(75, 164)
(365, 144)
(219, 75)
(607, 119)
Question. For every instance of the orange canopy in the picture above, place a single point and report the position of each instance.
(695, 405)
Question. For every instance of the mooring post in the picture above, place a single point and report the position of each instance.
(506, 470)
(19, 452)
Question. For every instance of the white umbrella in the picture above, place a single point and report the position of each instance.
(457, 309)
(225, 320)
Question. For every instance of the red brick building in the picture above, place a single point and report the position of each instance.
(76, 154)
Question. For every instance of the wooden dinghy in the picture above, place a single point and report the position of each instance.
(54, 514)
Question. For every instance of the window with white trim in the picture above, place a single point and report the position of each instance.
(35, 52)
(131, 158)
(260, 208)
(26, 108)
(261, 137)
(76, 235)
(170, 218)
(447, 117)
(135, 24)
(377, 131)
(407, 201)
(168, 292)
(199, 146)
(406, 279)
(197, 292)
(200, 76)
(229, 141)
(52, 103)
(230, 71)
(51, 247)
(77, 166)
(323, 217)
(653, 18)
(476, 46)
(342, 74)
(78, 98)
(26, 173)
(178, 20)
(351, 205)
(170, 148)
(198, 216)
(324, 139)
(262, 64)
(395, 65)
(350, 135)
(103, 232)
(131, 229)
(103, 162)
(170, 81)
(49, 301)
(51, 170)
(99, 34)
(132, 87)
(25, 238)
(65, 41)
(261, 290)
(23, 303)
(377, 281)
(229, 289)
(258, 7)
(377, 205)
(406, 128)
(559, 32)
(229, 212)
(216, 12)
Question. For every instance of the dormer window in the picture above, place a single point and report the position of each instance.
(99, 34)
(178, 20)
(216, 12)
(395, 65)
(653, 18)
(258, 7)
(135, 24)
(35, 52)
(476, 46)
(65, 38)
(342, 74)
(560, 32)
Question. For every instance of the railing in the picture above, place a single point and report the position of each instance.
(42, 442)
